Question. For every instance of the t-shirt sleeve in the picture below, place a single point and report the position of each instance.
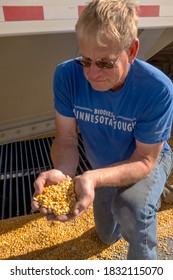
(155, 123)
(62, 89)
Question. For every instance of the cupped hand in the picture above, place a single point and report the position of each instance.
(85, 192)
(44, 179)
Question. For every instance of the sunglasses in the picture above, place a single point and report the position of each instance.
(103, 64)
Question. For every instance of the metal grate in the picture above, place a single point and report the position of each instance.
(20, 163)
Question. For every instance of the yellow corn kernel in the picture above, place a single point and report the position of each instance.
(60, 198)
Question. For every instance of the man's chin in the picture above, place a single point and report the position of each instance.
(99, 87)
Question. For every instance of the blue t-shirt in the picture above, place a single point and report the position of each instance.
(109, 122)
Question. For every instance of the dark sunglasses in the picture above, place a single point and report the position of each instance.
(103, 64)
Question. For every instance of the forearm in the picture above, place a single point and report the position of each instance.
(125, 173)
(122, 174)
(65, 155)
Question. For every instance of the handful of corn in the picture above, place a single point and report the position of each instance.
(60, 197)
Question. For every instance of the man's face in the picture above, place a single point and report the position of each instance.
(104, 79)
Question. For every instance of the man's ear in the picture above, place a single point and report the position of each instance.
(133, 50)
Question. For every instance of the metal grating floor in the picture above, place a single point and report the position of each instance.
(20, 164)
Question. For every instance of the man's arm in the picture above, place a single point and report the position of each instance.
(121, 174)
(64, 150)
(65, 157)
(125, 173)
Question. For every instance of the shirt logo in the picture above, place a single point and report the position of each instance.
(104, 117)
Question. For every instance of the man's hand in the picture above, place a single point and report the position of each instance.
(84, 189)
(45, 179)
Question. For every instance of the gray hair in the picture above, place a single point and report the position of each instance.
(115, 19)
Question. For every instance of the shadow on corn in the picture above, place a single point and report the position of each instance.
(80, 248)
(165, 207)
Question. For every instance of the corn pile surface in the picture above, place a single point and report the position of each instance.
(60, 198)
(33, 237)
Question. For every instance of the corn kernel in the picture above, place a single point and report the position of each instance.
(60, 198)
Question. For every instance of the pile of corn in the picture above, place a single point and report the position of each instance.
(60, 197)
(32, 237)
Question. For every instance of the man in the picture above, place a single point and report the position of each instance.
(123, 109)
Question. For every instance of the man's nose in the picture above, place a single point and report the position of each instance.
(94, 71)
